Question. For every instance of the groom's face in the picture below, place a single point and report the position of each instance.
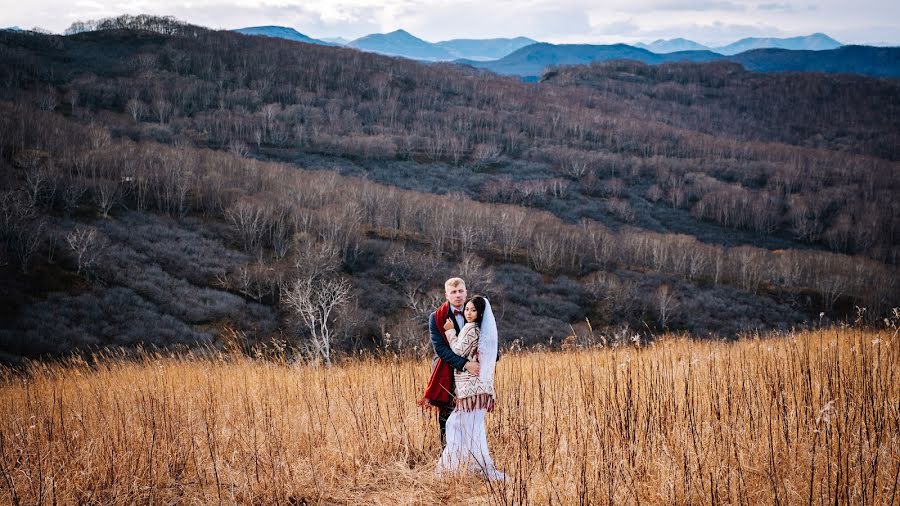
(456, 294)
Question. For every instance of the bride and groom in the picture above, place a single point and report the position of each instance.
(461, 388)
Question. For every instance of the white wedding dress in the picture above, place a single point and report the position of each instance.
(467, 448)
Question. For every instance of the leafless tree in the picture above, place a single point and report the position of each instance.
(248, 218)
(313, 303)
(751, 264)
(666, 304)
(479, 278)
(163, 110)
(88, 245)
(21, 229)
(72, 189)
(510, 231)
(315, 259)
(239, 148)
(136, 108)
(107, 194)
(545, 251)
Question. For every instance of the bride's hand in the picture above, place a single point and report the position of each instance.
(448, 324)
(474, 368)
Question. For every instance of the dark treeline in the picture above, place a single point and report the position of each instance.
(806, 157)
(166, 244)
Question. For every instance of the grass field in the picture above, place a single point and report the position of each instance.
(805, 418)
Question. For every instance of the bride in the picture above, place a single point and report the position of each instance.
(466, 438)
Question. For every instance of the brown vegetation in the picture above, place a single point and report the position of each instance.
(809, 417)
(807, 156)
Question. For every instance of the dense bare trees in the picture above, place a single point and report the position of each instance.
(306, 229)
(590, 122)
(21, 229)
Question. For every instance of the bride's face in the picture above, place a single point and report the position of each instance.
(470, 312)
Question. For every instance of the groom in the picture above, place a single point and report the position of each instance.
(441, 390)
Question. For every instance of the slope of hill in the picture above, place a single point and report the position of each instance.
(152, 197)
(534, 59)
(484, 49)
(814, 42)
(867, 60)
(662, 46)
(280, 32)
(401, 43)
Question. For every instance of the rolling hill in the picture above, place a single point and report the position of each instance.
(152, 198)
(282, 33)
(401, 43)
(814, 42)
(532, 60)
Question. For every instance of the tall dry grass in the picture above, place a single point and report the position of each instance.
(806, 418)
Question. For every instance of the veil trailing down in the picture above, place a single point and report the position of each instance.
(467, 448)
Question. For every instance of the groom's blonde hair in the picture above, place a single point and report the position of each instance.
(454, 282)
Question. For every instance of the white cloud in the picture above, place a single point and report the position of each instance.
(707, 21)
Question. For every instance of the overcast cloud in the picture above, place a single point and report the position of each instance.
(712, 22)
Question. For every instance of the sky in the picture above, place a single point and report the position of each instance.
(711, 22)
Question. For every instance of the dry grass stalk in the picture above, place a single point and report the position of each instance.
(806, 418)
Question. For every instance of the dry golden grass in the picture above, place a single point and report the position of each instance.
(808, 418)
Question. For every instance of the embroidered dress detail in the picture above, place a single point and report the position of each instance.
(467, 448)
(480, 401)
(466, 345)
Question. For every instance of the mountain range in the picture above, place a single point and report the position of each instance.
(533, 60)
(814, 42)
(282, 32)
(403, 43)
(529, 59)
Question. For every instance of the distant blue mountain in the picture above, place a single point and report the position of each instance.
(11, 29)
(281, 32)
(662, 46)
(401, 43)
(484, 49)
(868, 60)
(531, 61)
(814, 42)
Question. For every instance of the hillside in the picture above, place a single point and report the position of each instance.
(484, 49)
(867, 60)
(154, 197)
(280, 32)
(402, 43)
(814, 42)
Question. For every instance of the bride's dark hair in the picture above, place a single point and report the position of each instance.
(478, 302)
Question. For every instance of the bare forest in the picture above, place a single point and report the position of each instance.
(167, 185)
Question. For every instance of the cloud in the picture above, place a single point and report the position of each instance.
(576, 21)
(784, 7)
(624, 27)
(684, 6)
(481, 19)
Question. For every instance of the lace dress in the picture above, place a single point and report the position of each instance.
(467, 448)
